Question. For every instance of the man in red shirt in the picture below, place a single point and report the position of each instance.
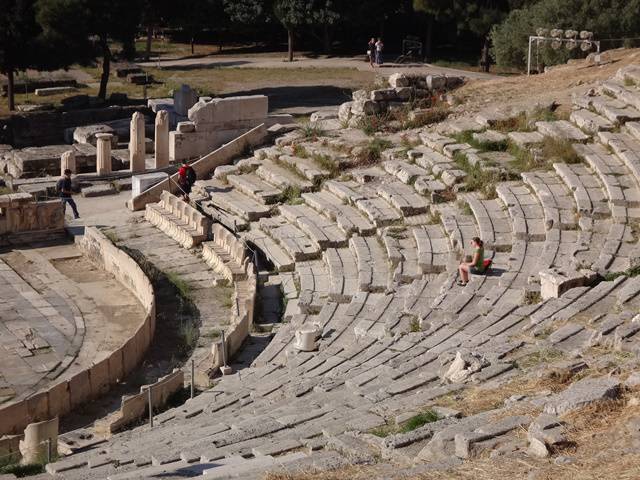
(186, 178)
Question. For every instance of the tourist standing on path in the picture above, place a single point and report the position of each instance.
(379, 48)
(186, 178)
(371, 49)
(64, 191)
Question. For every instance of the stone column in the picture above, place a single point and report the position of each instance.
(136, 143)
(162, 140)
(68, 161)
(34, 446)
(103, 147)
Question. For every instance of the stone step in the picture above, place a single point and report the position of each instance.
(293, 240)
(615, 110)
(493, 222)
(403, 198)
(591, 122)
(253, 186)
(404, 171)
(320, 229)
(433, 248)
(348, 218)
(277, 255)
(306, 167)
(343, 274)
(403, 254)
(372, 264)
(238, 204)
(562, 130)
(282, 177)
(378, 211)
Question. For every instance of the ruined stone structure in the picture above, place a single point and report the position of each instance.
(103, 164)
(22, 217)
(214, 122)
(68, 162)
(161, 140)
(376, 355)
(137, 143)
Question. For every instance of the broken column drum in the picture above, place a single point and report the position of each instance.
(103, 163)
(162, 140)
(68, 161)
(136, 143)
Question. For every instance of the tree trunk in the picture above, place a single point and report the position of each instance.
(147, 53)
(106, 69)
(290, 43)
(485, 61)
(428, 41)
(11, 95)
(326, 39)
(193, 44)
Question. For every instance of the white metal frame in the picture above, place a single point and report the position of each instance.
(533, 38)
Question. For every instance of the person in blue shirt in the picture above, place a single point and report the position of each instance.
(64, 191)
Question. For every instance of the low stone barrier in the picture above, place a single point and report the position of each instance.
(134, 407)
(239, 269)
(182, 222)
(226, 254)
(61, 397)
(203, 167)
(22, 218)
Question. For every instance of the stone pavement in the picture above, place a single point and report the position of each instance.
(59, 312)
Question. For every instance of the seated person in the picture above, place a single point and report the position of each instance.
(476, 265)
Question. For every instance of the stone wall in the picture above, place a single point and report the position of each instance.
(48, 128)
(22, 218)
(61, 397)
(243, 303)
(215, 122)
(203, 167)
(134, 407)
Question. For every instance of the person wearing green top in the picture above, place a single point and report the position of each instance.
(476, 265)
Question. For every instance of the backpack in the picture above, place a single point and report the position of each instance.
(191, 175)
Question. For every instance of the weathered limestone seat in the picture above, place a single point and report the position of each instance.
(179, 220)
(226, 254)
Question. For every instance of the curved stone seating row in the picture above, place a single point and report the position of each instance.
(563, 237)
(346, 217)
(179, 220)
(226, 254)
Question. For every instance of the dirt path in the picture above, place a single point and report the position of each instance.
(267, 62)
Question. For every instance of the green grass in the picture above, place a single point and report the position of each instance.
(525, 122)
(184, 289)
(415, 422)
(291, 195)
(544, 356)
(327, 163)
(372, 151)
(628, 82)
(631, 272)
(10, 464)
(312, 132)
(414, 326)
(555, 149)
(479, 179)
(464, 207)
(300, 151)
(112, 236)
(188, 332)
(467, 137)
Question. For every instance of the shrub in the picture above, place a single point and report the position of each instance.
(372, 152)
